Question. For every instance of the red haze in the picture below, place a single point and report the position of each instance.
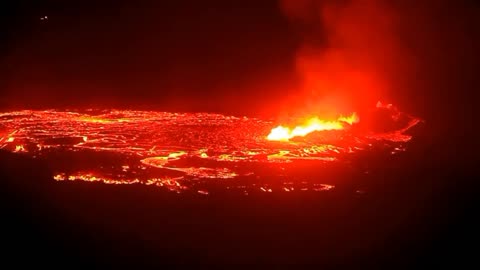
(349, 52)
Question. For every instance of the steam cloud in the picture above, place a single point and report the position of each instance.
(349, 51)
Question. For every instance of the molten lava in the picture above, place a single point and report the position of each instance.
(282, 133)
(191, 151)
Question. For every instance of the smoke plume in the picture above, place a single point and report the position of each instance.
(348, 54)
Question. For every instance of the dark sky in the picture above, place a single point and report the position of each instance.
(151, 53)
(229, 56)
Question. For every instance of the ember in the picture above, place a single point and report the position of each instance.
(187, 151)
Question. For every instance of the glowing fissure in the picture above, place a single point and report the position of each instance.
(170, 183)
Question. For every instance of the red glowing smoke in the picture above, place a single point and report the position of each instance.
(349, 51)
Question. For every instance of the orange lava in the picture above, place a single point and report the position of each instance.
(282, 133)
(188, 151)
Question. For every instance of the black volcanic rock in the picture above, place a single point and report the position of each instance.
(395, 220)
(23, 178)
(29, 225)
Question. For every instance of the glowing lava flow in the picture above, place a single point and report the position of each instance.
(282, 133)
(190, 151)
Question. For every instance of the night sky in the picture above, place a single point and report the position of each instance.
(196, 55)
(225, 56)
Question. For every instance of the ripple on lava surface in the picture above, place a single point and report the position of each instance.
(187, 152)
